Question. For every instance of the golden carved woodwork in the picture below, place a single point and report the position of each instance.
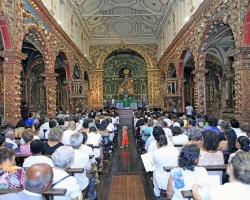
(99, 53)
(96, 88)
(191, 38)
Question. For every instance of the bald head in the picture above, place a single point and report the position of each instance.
(72, 125)
(38, 178)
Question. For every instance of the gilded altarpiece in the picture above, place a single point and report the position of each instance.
(96, 97)
(116, 83)
(154, 88)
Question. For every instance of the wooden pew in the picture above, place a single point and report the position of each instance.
(49, 194)
(187, 194)
(208, 168)
(71, 171)
(93, 146)
(20, 155)
(48, 155)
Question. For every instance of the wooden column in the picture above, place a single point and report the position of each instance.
(12, 68)
(50, 83)
(200, 90)
(242, 80)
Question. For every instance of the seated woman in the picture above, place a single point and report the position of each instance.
(27, 136)
(228, 144)
(209, 154)
(164, 156)
(11, 176)
(239, 185)
(179, 138)
(195, 136)
(54, 140)
(153, 146)
(149, 129)
(62, 158)
(242, 144)
(184, 177)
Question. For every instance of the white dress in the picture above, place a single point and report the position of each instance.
(189, 178)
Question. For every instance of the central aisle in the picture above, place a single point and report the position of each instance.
(125, 174)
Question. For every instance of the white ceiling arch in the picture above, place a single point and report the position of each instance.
(123, 21)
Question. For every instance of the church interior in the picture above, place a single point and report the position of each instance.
(81, 56)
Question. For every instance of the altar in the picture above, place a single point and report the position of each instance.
(133, 105)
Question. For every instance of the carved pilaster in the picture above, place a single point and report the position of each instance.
(154, 88)
(200, 90)
(242, 80)
(96, 95)
(11, 71)
(50, 82)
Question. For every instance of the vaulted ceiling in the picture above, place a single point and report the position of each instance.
(123, 21)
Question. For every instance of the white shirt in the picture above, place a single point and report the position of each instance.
(239, 132)
(66, 136)
(69, 183)
(168, 133)
(189, 110)
(149, 140)
(45, 126)
(153, 146)
(81, 160)
(165, 156)
(31, 160)
(180, 139)
(95, 139)
(230, 191)
(189, 178)
(169, 122)
(90, 152)
(78, 127)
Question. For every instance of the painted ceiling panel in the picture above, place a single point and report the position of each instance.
(122, 19)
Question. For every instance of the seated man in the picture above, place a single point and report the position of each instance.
(37, 147)
(38, 179)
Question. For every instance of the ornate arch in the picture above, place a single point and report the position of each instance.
(5, 32)
(146, 51)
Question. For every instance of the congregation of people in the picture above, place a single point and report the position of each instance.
(187, 143)
(51, 146)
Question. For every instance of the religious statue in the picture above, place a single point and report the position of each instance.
(127, 85)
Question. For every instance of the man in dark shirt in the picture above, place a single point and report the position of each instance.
(24, 111)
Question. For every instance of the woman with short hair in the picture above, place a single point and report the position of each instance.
(209, 154)
(54, 140)
(27, 136)
(11, 176)
(184, 176)
(62, 158)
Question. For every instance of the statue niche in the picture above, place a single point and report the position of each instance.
(126, 84)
